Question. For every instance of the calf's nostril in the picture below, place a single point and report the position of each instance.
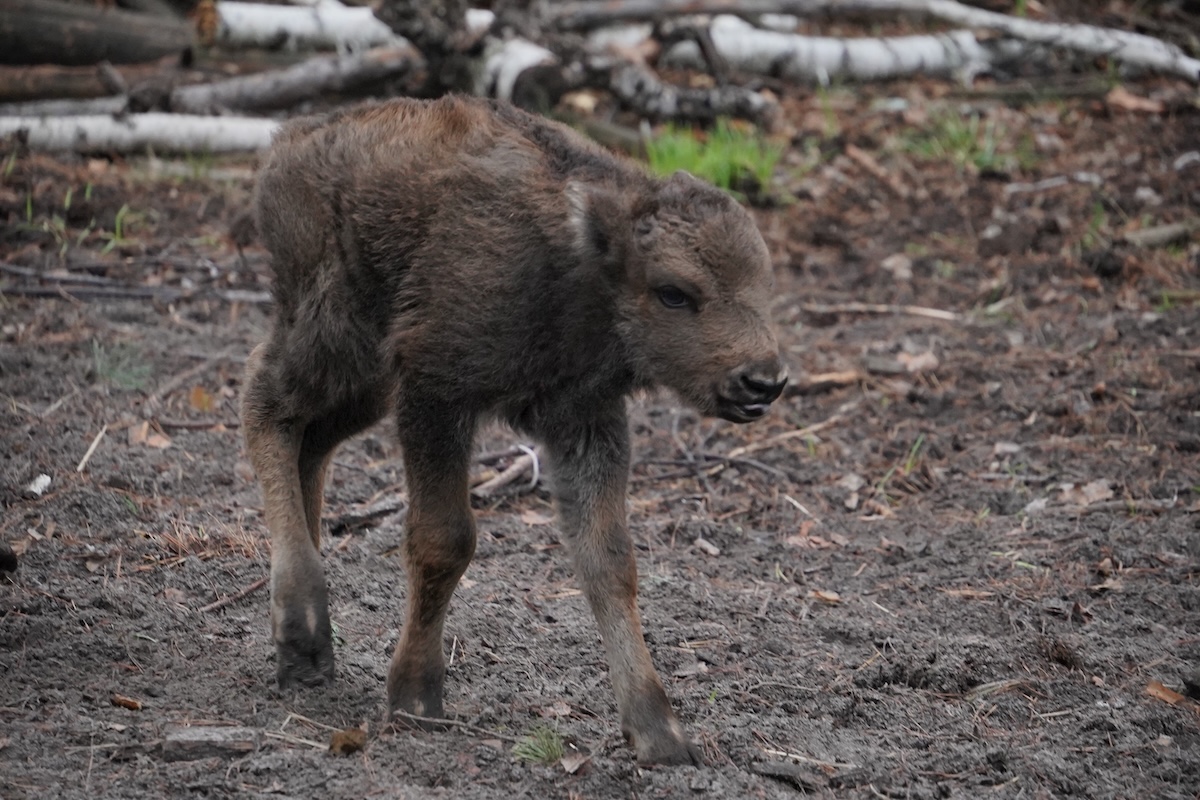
(767, 388)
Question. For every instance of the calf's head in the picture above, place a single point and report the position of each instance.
(693, 287)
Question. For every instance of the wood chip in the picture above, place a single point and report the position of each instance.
(706, 547)
(194, 743)
(122, 701)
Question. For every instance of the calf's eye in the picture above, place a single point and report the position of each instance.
(671, 297)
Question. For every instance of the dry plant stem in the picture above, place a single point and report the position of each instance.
(881, 308)
(519, 467)
(466, 726)
(92, 448)
(774, 441)
(233, 598)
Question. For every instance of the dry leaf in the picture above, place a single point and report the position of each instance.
(126, 702)
(689, 670)
(919, 362)
(159, 441)
(347, 741)
(1109, 584)
(1085, 495)
(825, 596)
(571, 762)
(532, 517)
(93, 564)
(138, 433)
(1156, 690)
(1124, 100)
(706, 547)
(558, 709)
(201, 399)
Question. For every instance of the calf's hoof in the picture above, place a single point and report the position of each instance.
(304, 647)
(420, 696)
(657, 737)
(667, 750)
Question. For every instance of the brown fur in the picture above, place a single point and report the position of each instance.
(450, 260)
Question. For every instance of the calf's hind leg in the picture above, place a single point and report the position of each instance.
(439, 543)
(289, 452)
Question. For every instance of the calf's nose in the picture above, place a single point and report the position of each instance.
(763, 382)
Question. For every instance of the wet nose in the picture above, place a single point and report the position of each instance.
(763, 383)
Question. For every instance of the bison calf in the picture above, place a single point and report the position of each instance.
(451, 260)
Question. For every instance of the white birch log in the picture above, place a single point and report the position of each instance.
(1130, 48)
(819, 58)
(326, 24)
(162, 132)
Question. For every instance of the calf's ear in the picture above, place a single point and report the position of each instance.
(600, 219)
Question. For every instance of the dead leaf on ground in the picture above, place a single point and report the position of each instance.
(1093, 492)
(201, 399)
(1122, 99)
(137, 433)
(534, 517)
(1109, 584)
(559, 708)
(159, 441)
(917, 363)
(347, 741)
(572, 762)
(825, 596)
(1156, 690)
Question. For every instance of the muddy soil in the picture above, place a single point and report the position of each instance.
(960, 559)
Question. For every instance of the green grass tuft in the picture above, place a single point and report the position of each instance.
(543, 745)
(726, 156)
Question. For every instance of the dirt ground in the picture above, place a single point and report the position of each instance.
(960, 559)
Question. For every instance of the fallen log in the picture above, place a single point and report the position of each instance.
(53, 32)
(264, 90)
(326, 25)
(162, 132)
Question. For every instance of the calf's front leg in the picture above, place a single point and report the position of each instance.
(591, 469)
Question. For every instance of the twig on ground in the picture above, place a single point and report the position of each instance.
(526, 463)
(233, 598)
(92, 448)
(766, 444)
(195, 424)
(453, 723)
(881, 308)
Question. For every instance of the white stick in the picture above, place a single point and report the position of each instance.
(163, 132)
(92, 448)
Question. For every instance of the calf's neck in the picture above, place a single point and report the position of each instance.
(446, 261)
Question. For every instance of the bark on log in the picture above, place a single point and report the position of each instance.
(23, 84)
(52, 32)
(286, 87)
(263, 90)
